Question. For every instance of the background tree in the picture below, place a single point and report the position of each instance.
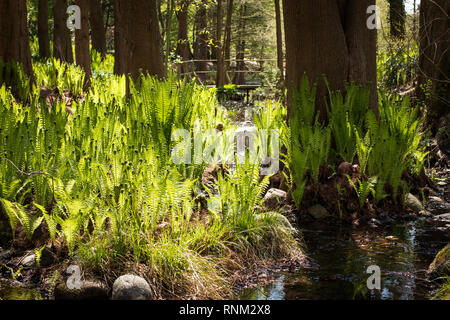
(43, 35)
(183, 47)
(330, 39)
(14, 37)
(98, 33)
(82, 41)
(227, 41)
(62, 41)
(201, 36)
(397, 18)
(220, 81)
(280, 56)
(137, 38)
(434, 59)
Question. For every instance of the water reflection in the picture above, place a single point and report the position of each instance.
(402, 251)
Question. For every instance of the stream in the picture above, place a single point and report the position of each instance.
(403, 251)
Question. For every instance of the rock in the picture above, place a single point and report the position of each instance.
(345, 168)
(413, 203)
(440, 264)
(131, 287)
(28, 261)
(318, 212)
(275, 198)
(5, 254)
(445, 216)
(90, 290)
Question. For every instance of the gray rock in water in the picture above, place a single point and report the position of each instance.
(275, 198)
(131, 287)
(318, 212)
(90, 290)
(413, 203)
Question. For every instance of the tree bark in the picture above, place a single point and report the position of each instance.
(183, 42)
(62, 40)
(201, 37)
(97, 27)
(170, 6)
(280, 57)
(434, 60)
(397, 18)
(82, 52)
(137, 38)
(227, 45)
(220, 81)
(14, 36)
(331, 39)
(43, 37)
(239, 77)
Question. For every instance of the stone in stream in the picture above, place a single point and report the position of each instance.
(275, 198)
(413, 203)
(318, 212)
(441, 263)
(131, 287)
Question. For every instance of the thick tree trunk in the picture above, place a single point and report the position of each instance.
(183, 42)
(97, 26)
(397, 18)
(220, 81)
(62, 41)
(14, 36)
(280, 57)
(43, 37)
(434, 59)
(82, 52)
(201, 37)
(227, 45)
(330, 39)
(137, 38)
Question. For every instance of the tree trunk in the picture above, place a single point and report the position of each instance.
(183, 42)
(220, 81)
(137, 38)
(82, 53)
(239, 77)
(98, 31)
(434, 60)
(397, 18)
(62, 41)
(201, 37)
(227, 46)
(14, 36)
(280, 56)
(170, 6)
(330, 39)
(43, 37)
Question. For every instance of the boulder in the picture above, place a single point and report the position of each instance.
(441, 263)
(90, 290)
(275, 198)
(131, 287)
(413, 203)
(318, 212)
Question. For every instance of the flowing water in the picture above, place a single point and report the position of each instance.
(403, 251)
